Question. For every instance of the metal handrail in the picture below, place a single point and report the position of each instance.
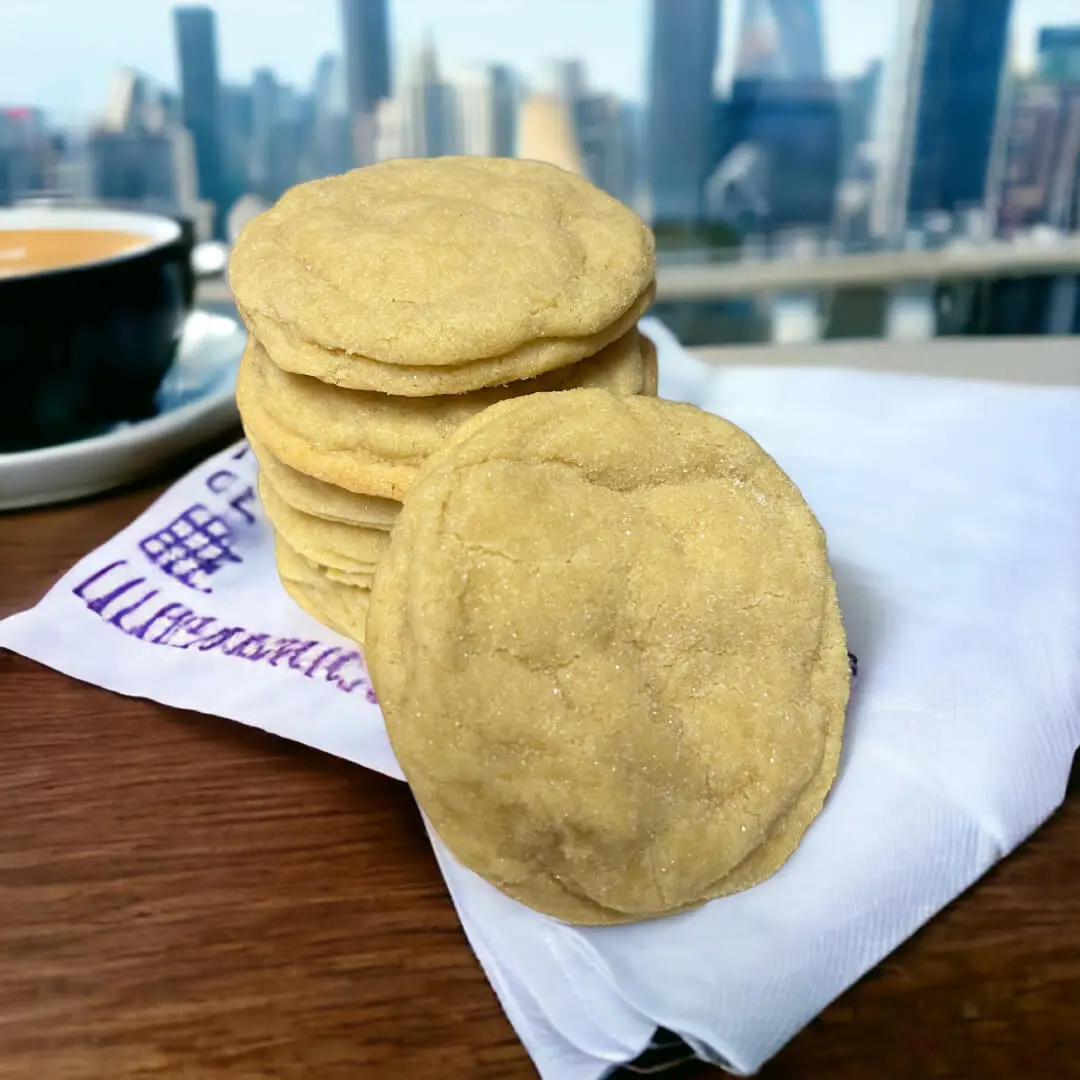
(992, 259)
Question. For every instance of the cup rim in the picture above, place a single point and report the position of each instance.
(158, 230)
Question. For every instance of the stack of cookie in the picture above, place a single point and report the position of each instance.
(386, 307)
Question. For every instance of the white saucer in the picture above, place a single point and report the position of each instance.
(196, 404)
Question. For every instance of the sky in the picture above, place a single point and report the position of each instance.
(59, 54)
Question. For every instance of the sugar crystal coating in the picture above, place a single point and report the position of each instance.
(606, 642)
(439, 263)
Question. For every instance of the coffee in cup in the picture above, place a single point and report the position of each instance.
(92, 306)
(26, 251)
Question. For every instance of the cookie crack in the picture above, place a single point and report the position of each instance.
(476, 547)
(545, 667)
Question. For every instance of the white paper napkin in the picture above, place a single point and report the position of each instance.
(952, 510)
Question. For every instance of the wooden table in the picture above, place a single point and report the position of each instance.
(186, 898)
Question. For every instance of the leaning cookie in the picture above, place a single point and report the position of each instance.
(606, 642)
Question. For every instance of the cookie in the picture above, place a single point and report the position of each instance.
(375, 443)
(353, 549)
(343, 608)
(441, 262)
(606, 642)
(323, 500)
(361, 373)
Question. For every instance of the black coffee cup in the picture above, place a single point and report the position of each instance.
(85, 344)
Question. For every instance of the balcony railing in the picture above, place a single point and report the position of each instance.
(1025, 287)
(985, 261)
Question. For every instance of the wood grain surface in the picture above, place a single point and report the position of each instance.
(185, 898)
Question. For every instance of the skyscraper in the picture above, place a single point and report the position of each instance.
(236, 132)
(782, 131)
(545, 132)
(487, 102)
(196, 43)
(23, 153)
(331, 141)
(368, 79)
(566, 79)
(432, 122)
(963, 64)
(137, 156)
(1059, 53)
(782, 154)
(941, 110)
(505, 93)
(1040, 181)
(680, 131)
(602, 130)
(780, 39)
(605, 135)
(473, 90)
(265, 95)
(858, 103)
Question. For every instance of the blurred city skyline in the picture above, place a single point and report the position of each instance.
(67, 74)
(747, 134)
(741, 129)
